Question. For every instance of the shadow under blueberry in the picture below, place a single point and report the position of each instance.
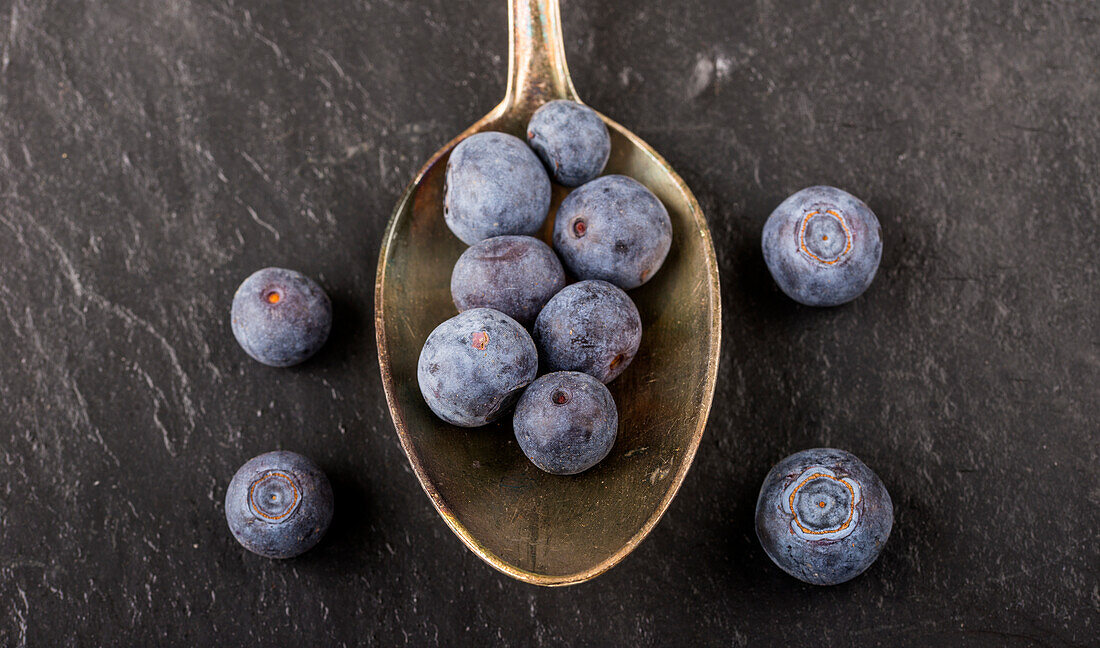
(353, 510)
(352, 335)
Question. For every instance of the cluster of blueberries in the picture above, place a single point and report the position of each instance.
(516, 313)
(822, 515)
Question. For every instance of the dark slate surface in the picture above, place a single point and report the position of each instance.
(155, 152)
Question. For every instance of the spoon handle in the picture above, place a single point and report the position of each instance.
(537, 71)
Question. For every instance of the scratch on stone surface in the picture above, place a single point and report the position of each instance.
(13, 29)
(128, 316)
(81, 409)
(335, 65)
(63, 257)
(270, 43)
(133, 509)
(382, 166)
(259, 169)
(261, 222)
(21, 616)
(252, 30)
(350, 152)
(158, 398)
(87, 420)
(15, 230)
(131, 319)
(150, 544)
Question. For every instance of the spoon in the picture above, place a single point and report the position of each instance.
(533, 526)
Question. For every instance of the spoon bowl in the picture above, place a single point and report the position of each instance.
(533, 526)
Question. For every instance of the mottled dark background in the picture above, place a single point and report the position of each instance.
(155, 152)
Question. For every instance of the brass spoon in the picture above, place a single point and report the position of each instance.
(533, 526)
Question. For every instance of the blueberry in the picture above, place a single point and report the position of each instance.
(822, 246)
(571, 139)
(495, 185)
(474, 366)
(566, 422)
(279, 504)
(823, 516)
(614, 229)
(280, 317)
(515, 275)
(590, 326)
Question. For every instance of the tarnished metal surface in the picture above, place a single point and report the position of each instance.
(537, 527)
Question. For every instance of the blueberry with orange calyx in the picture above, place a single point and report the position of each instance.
(280, 317)
(822, 246)
(823, 516)
(474, 366)
(279, 504)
